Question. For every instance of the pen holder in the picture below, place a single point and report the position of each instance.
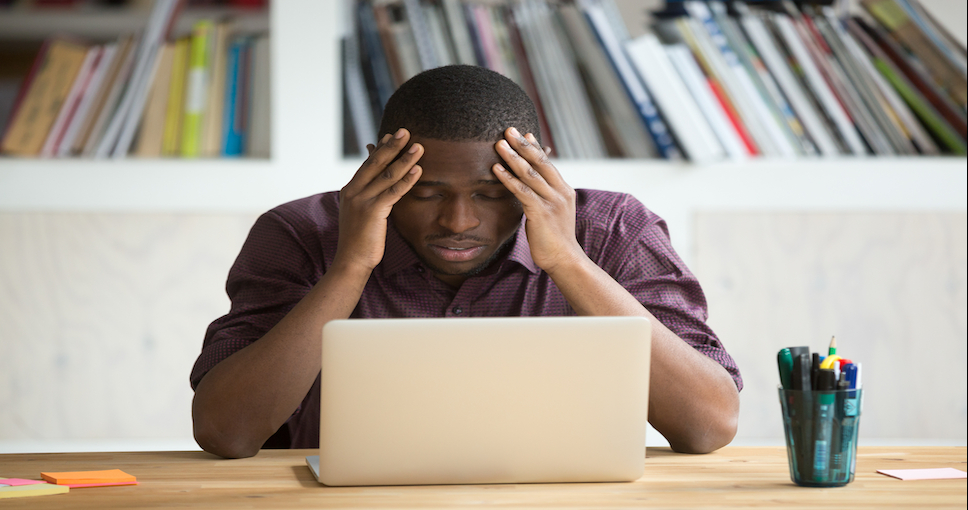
(821, 435)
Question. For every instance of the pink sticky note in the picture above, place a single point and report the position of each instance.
(924, 474)
(16, 482)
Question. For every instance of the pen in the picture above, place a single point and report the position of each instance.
(784, 362)
(826, 382)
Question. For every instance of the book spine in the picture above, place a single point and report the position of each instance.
(196, 87)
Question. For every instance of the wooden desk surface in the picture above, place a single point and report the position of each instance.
(732, 477)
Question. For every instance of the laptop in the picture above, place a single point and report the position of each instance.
(483, 400)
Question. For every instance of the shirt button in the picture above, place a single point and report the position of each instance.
(457, 310)
(420, 269)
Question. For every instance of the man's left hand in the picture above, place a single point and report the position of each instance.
(548, 201)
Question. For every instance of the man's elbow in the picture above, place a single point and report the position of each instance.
(716, 434)
(215, 441)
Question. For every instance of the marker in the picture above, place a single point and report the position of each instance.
(826, 382)
(833, 346)
(784, 362)
(801, 373)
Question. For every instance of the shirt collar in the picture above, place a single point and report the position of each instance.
(398, 255)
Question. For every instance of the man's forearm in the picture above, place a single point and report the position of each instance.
(693, 401)
(245, 398)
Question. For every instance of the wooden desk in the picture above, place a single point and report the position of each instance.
(732, 477)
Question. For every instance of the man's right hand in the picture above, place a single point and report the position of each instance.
(365, 202)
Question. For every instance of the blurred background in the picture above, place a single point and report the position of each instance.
(114, 252)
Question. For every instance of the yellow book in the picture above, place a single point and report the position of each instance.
(171, 144)
(196, 89)
(60, 62)
(37, 489)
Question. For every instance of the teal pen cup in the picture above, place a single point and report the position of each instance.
(820, 428)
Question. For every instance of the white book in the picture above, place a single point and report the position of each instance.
(98, 73)
(819, 86)
(111, 102)
(681, 58)
(565, 144)
(577, 103)
(438, 34)
(421, 35)
(69, 107)
(764, 127)
(687, 122)
(777, 65)
(120, 132)
(631, 134)
(457, 27)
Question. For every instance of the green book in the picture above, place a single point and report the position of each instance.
(196, 88)
(937, 125)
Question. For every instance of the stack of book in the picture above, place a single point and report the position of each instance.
(147, 95)
(709, 80)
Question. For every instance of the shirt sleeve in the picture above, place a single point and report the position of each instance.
(637, 252)
(274, 270)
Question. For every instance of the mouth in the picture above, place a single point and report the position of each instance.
(457, 253)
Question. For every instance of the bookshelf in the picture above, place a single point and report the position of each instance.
(306, 156)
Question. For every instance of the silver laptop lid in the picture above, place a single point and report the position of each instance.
(483, 400)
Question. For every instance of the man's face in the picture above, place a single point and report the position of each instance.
(458, 216)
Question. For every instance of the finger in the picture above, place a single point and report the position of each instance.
(521, 191)
(383, 155)
(541, 161)
(523, 169)
(400, 188)
(392, 174)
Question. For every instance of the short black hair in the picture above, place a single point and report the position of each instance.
(460, 103)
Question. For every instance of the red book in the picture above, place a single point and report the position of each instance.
(738, 125)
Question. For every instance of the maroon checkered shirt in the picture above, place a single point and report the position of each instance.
(290, 247)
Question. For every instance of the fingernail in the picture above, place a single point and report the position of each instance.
(504, 144)
(385, 138)
(413, 149)
(514, 132)
(399, 134)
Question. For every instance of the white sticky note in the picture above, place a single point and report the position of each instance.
(924, 474)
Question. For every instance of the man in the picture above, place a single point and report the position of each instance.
(457, 212)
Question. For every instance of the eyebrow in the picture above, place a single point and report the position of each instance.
(480, 182)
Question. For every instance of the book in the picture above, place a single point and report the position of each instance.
(779, 67)
(682, 59)
(528, 80)
(656, 126)
(458, 31)
(106, 104)
(791, 35)
(695, 136)
(212, 141)
(60, 62)
(117, 138)
(439, 37)
(895, 19)
(259, 137)
(93, 91)
(175, 107)
(426, 53)
(631, 136)
(897, 110)
(196, 88)
(71, 102)
(764, 127)
(236, 98)
(151, 133)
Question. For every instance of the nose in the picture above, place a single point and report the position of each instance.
(458, 215)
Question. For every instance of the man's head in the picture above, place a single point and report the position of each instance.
(459, 103)
(459, 216)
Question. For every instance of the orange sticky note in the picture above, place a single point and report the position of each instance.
(90, 478)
